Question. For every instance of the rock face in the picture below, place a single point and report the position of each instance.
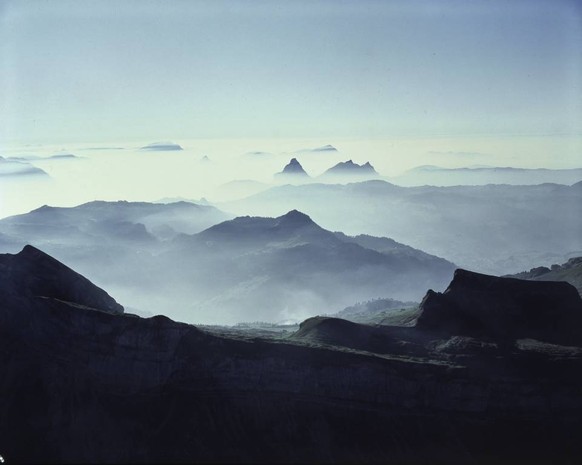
(79, 385)
(293, 169)
(488, 306)
(33, 274)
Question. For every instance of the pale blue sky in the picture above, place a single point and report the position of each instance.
(81, 71)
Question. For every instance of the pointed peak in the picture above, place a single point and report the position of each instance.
(293, 168)
(296, 214)
(296, 218)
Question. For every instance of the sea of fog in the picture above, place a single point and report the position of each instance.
(123, 171)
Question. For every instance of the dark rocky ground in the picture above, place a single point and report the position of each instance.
(490, 372)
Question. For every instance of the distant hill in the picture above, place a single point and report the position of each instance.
(12, 168)
(481, 175)
(161, 147)
(328, 149)
(571, 272)
(117, 220)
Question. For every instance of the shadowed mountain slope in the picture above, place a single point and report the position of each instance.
(32, 274)
(88, 386)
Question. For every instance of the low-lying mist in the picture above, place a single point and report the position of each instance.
(166, 255)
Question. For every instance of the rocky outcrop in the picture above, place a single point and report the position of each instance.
(504, 308)
(32, 274)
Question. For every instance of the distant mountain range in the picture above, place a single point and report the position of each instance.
(246, 269)
(481, 175)
(497, 229)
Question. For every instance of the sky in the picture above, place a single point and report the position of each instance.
(90, 71)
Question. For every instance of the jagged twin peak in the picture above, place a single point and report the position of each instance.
(504, 308)
(349, 168)
(32, 274)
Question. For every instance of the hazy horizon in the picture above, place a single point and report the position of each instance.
(75, 72)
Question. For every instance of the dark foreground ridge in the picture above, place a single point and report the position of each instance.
(32, 274)
(80, 385)
(487, 306)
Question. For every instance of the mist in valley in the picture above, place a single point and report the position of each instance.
(153, 226)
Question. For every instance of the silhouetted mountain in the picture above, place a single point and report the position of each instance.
(496, 229)
(293, 228)
(349, 169)
(31, 274)
(571, 272)
(87, 386)
(292, 170)
(162, 147)
(504, 308)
